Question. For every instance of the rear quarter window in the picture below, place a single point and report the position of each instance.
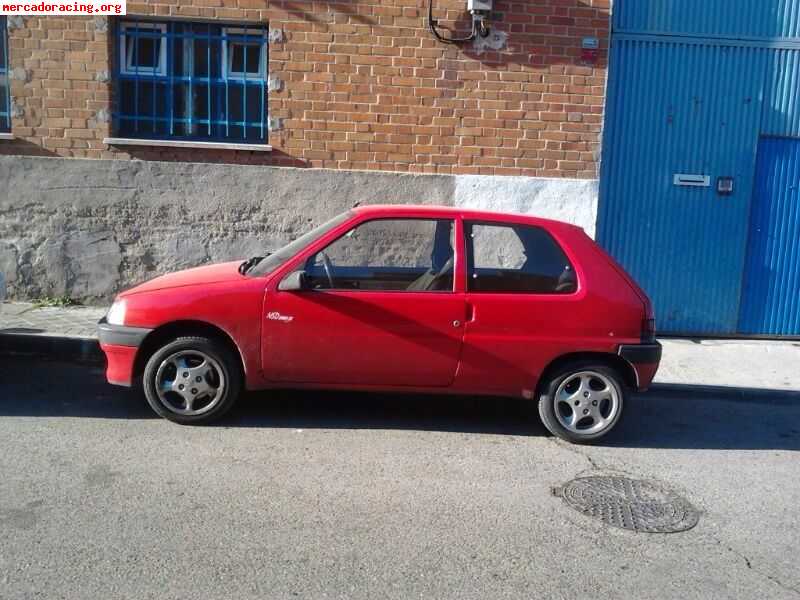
(516, 259)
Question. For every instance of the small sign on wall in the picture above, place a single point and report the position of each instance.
(590, 49)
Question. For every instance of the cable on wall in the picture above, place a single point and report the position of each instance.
(478, 28)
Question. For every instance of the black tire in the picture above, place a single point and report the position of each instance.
(222, 358)
(547, 404)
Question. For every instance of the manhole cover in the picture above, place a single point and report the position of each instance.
(632, 504)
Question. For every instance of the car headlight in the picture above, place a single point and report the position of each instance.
(116, 314)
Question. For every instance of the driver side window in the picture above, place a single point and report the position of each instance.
(414, 255)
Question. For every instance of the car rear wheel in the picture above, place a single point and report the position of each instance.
(192, 380)
(582, 402)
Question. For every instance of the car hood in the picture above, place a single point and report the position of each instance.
(217, 273)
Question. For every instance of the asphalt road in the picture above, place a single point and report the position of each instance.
(360, 496)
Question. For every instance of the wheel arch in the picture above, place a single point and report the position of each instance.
(175, 329)
(619, 364)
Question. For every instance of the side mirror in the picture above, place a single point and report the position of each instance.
(297, 281)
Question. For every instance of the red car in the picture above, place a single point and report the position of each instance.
(397, 298)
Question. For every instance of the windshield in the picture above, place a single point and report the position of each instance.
(277, 258)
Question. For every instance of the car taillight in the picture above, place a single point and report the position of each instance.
(648, 331)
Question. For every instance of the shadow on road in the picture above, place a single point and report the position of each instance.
(713, 418)
(670, 416)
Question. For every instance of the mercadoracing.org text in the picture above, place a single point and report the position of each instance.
(63, 8)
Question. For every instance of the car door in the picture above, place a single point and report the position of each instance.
(522, 293)
(378, 309)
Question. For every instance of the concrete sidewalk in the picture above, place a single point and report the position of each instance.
(771, 365)
(63, 332)
(22, 318)
(727, 363)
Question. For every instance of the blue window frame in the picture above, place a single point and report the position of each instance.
(188, 80)
(5, 90)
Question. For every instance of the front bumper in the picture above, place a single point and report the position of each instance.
(644, 358)
(120, 345)
(120, 335)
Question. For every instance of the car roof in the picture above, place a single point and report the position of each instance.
(426, 210)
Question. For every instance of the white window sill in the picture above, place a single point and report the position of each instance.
(182, 144)
(7, 136)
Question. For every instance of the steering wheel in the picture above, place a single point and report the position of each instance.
(328, 266)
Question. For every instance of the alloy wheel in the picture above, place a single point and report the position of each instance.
(190, 383)
(586, 402)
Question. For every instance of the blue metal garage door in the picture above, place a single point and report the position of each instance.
(771, 295)
(692, 111)
(693, 87)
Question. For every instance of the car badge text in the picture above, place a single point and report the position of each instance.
(276, 316)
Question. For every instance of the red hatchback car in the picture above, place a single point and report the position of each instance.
(397, 298)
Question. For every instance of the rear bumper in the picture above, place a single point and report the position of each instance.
(120, 345)
(644, 358)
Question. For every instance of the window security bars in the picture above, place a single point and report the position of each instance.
(191, 81)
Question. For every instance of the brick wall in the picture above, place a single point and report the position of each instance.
(365, 86)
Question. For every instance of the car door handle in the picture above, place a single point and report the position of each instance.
(470, 313)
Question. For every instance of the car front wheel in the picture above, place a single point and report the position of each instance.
(582, 402)
(192, 380)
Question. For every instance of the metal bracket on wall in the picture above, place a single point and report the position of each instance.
(101, 116)
(274, 84)
(15, 22)
(20, 74)
(101, 24)
(275, 36)
(275, 123)
(16, 110)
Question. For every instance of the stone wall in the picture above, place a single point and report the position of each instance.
(89, 228)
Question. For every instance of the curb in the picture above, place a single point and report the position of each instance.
(736, 394)
(74, 349)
